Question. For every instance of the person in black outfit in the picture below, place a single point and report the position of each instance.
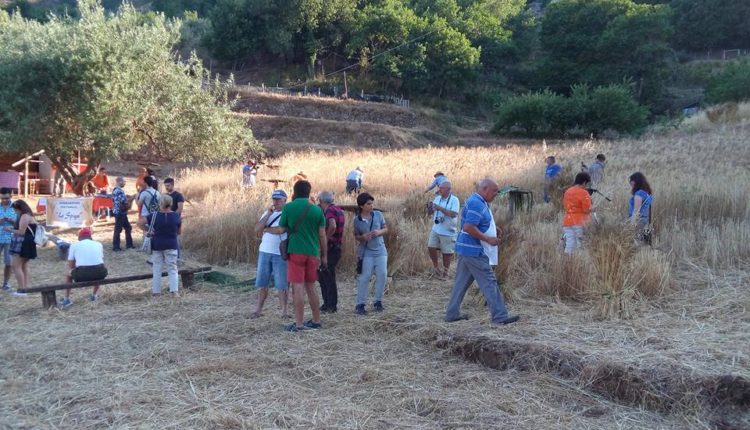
(335, 220)
(23, 247)
(120, 212)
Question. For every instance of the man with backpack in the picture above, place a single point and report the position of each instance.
(120, 212)
(148, 199)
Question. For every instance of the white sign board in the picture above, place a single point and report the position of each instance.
(69, 213)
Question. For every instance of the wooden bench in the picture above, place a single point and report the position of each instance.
(49, 300)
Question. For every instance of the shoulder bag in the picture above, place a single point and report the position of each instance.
(284, 244)
(359, 259)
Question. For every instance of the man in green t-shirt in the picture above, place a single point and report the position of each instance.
(307, 248)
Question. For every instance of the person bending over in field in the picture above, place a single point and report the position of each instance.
(270, 264)
(577, 207)
(369, 229)
(477, 253)
(639, 208)
(439, 179)
(354, 181)
(86, 263)
(306, 226)
(442, 239)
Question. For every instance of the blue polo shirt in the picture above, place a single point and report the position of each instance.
(551, 171)
(476, 212)
(643, 217)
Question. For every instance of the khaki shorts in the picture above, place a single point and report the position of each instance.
(447, 244)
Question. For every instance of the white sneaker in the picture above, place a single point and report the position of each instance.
(17, 294)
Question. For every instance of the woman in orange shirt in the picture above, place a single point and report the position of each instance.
(577, 207)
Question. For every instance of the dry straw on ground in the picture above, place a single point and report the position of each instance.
(130, 361)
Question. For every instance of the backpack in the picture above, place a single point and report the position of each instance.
(40, 236)
(153, 203)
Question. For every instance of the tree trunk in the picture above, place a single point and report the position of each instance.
(77, 181)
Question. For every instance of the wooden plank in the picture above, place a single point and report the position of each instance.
(106, 281)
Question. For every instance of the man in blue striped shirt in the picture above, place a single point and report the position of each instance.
(476, 242)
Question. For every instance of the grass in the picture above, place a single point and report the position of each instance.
(701, 210)
(617, 336)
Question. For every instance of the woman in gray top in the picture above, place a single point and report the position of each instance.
(369, 229)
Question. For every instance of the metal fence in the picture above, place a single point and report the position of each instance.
(330, 92)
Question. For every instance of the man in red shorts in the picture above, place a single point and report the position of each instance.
(306, 226)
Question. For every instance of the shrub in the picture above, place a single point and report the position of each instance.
(610, 107)
(732, 84)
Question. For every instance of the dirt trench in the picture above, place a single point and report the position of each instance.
(721, 400)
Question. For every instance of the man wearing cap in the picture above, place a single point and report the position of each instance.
(354, 180)
(439, 179)
(335, 220)
(86, 263)
(270, 264)
(7, 219)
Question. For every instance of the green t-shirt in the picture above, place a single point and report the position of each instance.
(304, 240)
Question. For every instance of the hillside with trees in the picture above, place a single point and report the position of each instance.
(485, 57)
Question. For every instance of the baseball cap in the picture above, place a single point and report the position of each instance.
(84, 233)
(278, 194)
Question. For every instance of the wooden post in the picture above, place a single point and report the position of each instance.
(26, 177)
(346, 87)
(49, 300)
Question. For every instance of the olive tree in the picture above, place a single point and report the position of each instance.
(109, 84)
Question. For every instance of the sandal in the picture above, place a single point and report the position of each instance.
(255, 315)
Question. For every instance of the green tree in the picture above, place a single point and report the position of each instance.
(109, 85)
(731, 84)
(708, 24)
(585, 111)
(599, 42)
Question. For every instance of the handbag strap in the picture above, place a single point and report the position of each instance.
(300, 218)
(273, 220)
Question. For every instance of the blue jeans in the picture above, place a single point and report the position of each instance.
(469, 269)
(370, 265)
(271, 265)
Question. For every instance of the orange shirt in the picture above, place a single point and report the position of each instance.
(140, 182)
(100, 182)
(577, 204)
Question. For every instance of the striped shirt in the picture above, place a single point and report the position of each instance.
(335, 213)
(476, 212)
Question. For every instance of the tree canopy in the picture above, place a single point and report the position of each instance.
(109, 84)
(600, 42)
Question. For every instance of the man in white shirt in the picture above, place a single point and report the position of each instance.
(445, 208)
(86, 263)
(354, 181)
(270, 263)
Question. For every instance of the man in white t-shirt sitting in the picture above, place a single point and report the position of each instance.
(445, 208)
(86, 263)
(270, 263)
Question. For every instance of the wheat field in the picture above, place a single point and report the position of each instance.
(618, 336)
